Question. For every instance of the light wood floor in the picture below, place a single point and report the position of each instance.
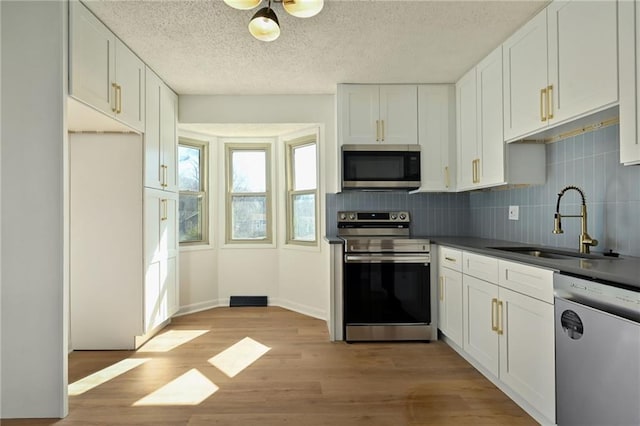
(303, 380)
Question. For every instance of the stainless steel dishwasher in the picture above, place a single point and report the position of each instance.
(597, 331)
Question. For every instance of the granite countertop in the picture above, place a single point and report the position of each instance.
(621, 270)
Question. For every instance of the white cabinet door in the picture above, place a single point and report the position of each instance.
(359, 113)
(92, 59)
(490, 166)
(450, 305)
(467, 132)
(436, 134)
(525, 77)
(527, 362)
(130, 78)
(479, 315)
(399, 114)
(583, 57)
(629, 36)
(160, 135)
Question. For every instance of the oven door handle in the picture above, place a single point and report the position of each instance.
(397, 258)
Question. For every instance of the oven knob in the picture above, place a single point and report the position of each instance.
(352, 216)
(394, 216)
(403, 216)
(343, 216)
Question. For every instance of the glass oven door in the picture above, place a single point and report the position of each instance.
(384, 291)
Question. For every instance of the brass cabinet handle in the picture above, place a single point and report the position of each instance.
(163, 177)
(163, 214)
(449, 259)
(119, 99)
(500, 317)
(550, 102)
(441, 288)
(382, 121)
(477, 170)
(114, 101)
(377, 130)
(473, 171)
(543, 97)
(494, 308)
(446, 177)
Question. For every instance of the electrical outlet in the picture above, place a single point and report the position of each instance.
(514, 212)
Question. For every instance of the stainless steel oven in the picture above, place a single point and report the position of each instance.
(387, 292)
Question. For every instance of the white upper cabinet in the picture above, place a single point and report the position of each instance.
(559, 66)
(377, 114)
(436, 133)
(104, 73)
(160, 134)
(480, 144)
(629, 21)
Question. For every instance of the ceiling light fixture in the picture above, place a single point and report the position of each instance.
(264, 24)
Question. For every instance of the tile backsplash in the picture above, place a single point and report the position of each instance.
(431, 213)
(589, 161)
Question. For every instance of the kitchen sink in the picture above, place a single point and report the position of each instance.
(553, 253)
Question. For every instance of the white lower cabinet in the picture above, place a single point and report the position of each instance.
(507, 325)
(450, 304)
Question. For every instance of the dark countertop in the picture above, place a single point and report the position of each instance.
(622, 270)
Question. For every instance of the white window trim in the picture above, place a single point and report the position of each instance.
(290, 145)
(224, 210)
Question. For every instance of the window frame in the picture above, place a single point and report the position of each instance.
(290, 147)
(229, 149)
(203, 147)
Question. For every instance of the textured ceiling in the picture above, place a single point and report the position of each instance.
(204, 47)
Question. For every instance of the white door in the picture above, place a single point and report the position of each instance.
(450, 318)
(466, 120)
(399, 114)
(130, 78)
(525, 78)
(92, 58)
(360, 113)
(479, 314)
(490, 167)
(583, 56)
(527, 363)
(436, 135)
(154, 255)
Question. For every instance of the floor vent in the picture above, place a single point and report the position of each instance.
(248, 301)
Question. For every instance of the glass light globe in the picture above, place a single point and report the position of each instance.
(243, 4)
(303, 8)
(264, 25)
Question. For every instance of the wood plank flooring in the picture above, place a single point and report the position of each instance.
(302, 380)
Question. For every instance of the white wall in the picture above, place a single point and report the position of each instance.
(294, 278)
(34, 289)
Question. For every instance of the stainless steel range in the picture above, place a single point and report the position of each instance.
(387, 292)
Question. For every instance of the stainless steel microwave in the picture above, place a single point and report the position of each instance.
(381, 167)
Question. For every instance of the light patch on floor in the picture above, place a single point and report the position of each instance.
(189, 389)
(236, 358)
(171, 340)
(99, 377)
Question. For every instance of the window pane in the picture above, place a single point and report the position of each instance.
(191, 216)
(249, 171)
(304, 214)
(304, 164)
(249, 218)
(189, 168)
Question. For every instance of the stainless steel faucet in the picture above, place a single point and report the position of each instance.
(585, 239)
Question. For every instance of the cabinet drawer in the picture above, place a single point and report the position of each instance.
(528, 280)
(483, 267)
(451, 258)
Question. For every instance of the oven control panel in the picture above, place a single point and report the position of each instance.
(380, 217)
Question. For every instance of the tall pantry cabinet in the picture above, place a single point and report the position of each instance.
(123, 233)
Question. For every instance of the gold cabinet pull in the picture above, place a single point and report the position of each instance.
(500, 317)
(450, 259)
(477, 170)
(163, 176)
(550, 102)
(163, 214)
(473, 171)
(441, 288)
(446, 177)
(118, 99)
(114, 100)
(382, 122)
(377, 130)
(494, 308)
(543, 98)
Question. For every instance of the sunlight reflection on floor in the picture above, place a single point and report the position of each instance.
(96, 379)
(189, 389)
(170, 340)
(236, 358)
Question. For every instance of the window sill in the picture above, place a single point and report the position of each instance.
(196, 247)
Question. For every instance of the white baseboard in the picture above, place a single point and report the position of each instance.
(282, 303)
(201, 306)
